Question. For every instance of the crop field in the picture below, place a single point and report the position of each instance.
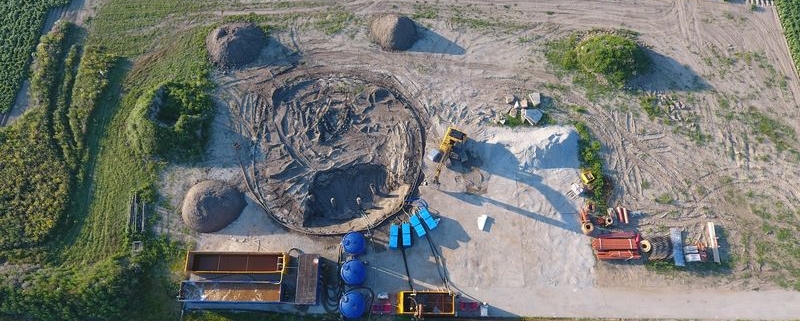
(19, 31)
(71, 163)
(789, 11)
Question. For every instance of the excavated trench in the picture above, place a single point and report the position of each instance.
(342, 153)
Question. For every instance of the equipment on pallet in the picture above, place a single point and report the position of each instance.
(352, 305)
(451, 147)
(354, 272)
(354, 243)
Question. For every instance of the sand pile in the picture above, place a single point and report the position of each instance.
(210, 206)
(235, 45)
(394, 32)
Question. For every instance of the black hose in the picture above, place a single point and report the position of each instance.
(408, 273)
(439, 262)
(371, 297)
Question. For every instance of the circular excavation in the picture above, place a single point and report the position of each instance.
(342, 153)
(210, 206)
(235, 45)
(393, 32)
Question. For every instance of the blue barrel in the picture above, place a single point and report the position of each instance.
(354, 272)
(354, 243)
(352, 305)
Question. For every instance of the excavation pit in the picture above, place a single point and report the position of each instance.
(342, 153)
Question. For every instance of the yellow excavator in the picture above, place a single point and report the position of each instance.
(451, 147)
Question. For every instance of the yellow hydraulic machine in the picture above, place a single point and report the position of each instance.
(422, 304)
(452, 147)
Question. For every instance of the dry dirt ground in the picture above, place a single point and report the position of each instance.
(533, 261)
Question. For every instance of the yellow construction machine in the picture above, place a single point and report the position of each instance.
(451, 147)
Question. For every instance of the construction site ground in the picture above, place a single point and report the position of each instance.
(532, 259)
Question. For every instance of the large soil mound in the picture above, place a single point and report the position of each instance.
(210, 206)
(394, 32)
(235, 45)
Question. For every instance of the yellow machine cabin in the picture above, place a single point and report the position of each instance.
(426, 303)
(451, 147)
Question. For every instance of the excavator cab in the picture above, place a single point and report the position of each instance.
(452, 147)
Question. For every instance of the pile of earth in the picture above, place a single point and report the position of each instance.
(210, 206)
(394, 32)
(235, 45)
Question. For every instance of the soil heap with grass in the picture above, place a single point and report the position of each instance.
(394, 32)
(235, 45)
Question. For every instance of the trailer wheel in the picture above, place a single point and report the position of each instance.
(609, 221)
(587, 228)
(646, 247)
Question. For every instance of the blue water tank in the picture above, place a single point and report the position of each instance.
(354, 243)
(352, 305)
(354, 272)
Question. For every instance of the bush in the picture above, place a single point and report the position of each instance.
(171, 121)
(616, 58)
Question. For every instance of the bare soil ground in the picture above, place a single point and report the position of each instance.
(709, 162)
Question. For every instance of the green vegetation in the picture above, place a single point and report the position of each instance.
(72, 192)
(616, 58)
(650, 105)
(764, 127)
(589, 149)
(425, 11)
(789, 13)
(36, 183)
(664, 199)
(19, 31)
(600, 61)
(171, 121)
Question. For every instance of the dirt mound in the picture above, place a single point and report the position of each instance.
(209, 206)
(394, 32)
(235, 45)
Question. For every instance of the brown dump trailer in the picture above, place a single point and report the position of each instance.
(236, 262)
